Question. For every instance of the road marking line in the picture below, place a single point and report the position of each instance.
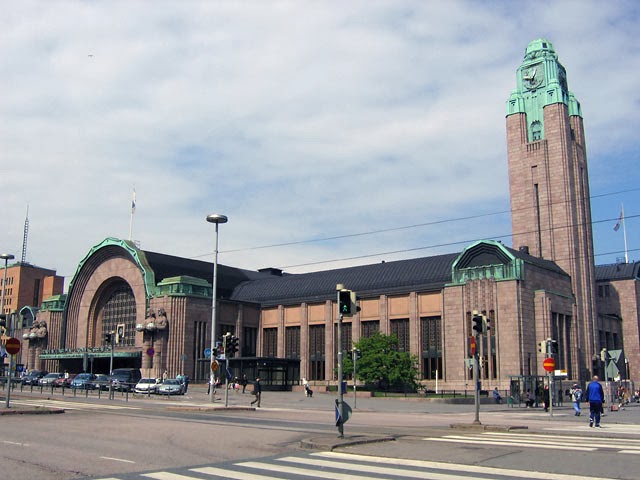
(512, 444)
(430, 475)
(454, 466)
(220, 472)
(310, 472)
(15, 443)
(118, 459)
(168, 476)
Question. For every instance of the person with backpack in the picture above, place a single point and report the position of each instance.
(576, 398)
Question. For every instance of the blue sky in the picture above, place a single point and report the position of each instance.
(311, 124)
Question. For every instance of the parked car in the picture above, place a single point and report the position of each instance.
(49, 378)
(171, 386)
(125, 379)
(83, 381)
(65, 381)
(147, 385)
(32, 377)
(100, 382)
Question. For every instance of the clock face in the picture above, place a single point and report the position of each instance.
(533, 76)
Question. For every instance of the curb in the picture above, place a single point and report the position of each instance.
(31, 411)
(474, 427)
(330, 443)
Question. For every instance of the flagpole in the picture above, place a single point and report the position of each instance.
(624, 233)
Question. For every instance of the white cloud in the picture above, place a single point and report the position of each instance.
(299, 120)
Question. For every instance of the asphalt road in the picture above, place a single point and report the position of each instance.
(103, 438)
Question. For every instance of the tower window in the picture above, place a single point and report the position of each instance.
(536, 131)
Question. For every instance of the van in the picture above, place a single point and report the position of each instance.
(125, 379)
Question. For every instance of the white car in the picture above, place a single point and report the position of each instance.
(146, 385)
(171, 386)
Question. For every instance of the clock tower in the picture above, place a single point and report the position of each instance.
(549, 187)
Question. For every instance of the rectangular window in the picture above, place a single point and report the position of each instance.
(292, 342)
(369, 327)
(270, 342)
(249, 341)
(431, 347)
(36, 292)
(400, 328)
(316, 352)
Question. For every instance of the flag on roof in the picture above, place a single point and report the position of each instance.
(620, 220)
(133, 201)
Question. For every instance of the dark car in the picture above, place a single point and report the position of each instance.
(33, 376)
(83, 381)
(100, 382)
(125, 379)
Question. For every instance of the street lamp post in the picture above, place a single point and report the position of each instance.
(6, 257)
(217, 219)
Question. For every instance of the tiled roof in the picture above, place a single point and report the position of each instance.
(618, 271)
(420, 274)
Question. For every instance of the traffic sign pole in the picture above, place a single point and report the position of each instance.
(12, 347)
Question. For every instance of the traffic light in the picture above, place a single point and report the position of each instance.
(3, 324)
(478, 323)
(107, 338)
(357, 354)
(542, 347)
(346, 309)
(553, 346)
(485, 324)
(232, 345)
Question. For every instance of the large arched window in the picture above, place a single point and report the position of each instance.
(119, 314)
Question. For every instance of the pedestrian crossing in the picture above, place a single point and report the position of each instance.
(564, 442)
(71, 405)
(343, 466)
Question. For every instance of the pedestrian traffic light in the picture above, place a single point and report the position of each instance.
(233, 345)
(356, 354)
(345, 303)
(3, 324)
(478, 323)
(542, 347)
(107, 338)
(553, 346)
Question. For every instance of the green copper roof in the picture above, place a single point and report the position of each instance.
(136, 254)
(541, 81)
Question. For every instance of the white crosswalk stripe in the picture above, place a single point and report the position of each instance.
(584, 444)
(347, 466)
(72, 405)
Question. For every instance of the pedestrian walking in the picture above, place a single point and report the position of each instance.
(576, 398)
(595, 396)
(244, 382)
(257, 392)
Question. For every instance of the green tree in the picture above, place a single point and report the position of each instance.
(382, 365)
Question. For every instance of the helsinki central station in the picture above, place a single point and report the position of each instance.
(546, 286)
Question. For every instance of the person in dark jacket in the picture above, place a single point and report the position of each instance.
(257, 392)
(595, 396)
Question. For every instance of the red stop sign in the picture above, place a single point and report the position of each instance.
(549, 364)
(12, 346)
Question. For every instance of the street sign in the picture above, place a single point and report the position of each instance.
(549, 364)
(214, 366)
(12, 346)
(207, 353)
(150, 351)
